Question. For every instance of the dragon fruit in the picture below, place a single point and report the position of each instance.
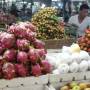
(23, 44)
(2, 34)
(1, 49)
(30, 35)
(8, 40)
(23, 30)
(1, 65)
(33, 55)
(21, 70)
(22, 57)
(30, 26)
(38, 44)
(46, 67)
(41, 52)
(36, 70)
(10, 55)
(17, 30)
(8, 70)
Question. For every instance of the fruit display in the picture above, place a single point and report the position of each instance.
(47, 24)
(84, 41)
(69, 60)
(21, 53)
(76, 86)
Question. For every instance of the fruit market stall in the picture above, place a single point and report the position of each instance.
(26, 64)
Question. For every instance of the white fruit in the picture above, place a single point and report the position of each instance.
(75, 48)
(55, 71)
(83, 66)
(66, 49)
(74, 67)
(76, 57)
(84, 55)
(63, 68)
(65, 58)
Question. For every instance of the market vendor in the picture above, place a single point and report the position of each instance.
(82, 20)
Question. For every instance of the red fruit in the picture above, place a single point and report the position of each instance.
(33, 55)
(22, 57)
(30, 26)
(10, 55)
(8, 70)
(46, 67)
(41, 52)
(1, 49)
(23, 44)
(8, 40)
(36, 70)
(2, 34)
(38, 44)
(21, 70)
(1, 65)
(18, 30)
(30, 35)
(23, 30)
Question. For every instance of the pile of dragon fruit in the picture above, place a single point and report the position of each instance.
(21, 53)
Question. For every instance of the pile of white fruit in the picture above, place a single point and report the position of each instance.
(70, 60)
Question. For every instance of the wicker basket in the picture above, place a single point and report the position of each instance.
(57, 44)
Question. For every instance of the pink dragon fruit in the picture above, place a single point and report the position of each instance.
(36, 70)
(8, 70)
(38, 44)
(7, 40)
(30, 35)
(30, 26)
(1, 49)
(17, 30)
(2, 34)
(46, 67)
(41, 52)
(1, 65)
(21, 70)
(33, 56)
(22, 57)
(23, 44)
(10, 55)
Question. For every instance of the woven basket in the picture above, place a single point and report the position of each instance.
(57, 44)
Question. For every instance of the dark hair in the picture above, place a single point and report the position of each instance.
(84, 6)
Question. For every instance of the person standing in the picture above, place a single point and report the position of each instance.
(82, 20)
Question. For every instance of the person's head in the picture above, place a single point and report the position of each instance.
(84, 10)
